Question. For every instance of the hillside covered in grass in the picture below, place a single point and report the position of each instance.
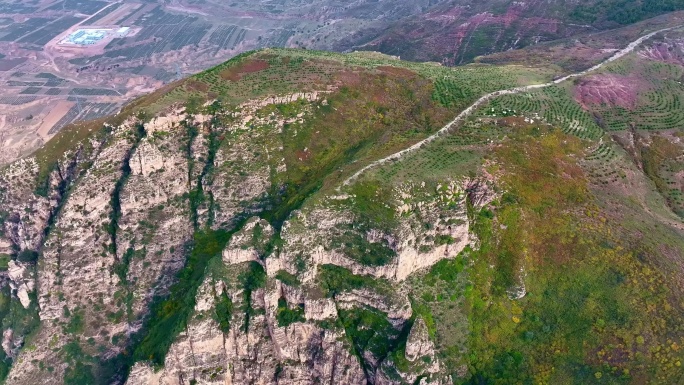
(206, 235)
(455, 32)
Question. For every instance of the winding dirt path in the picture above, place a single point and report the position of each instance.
(468, 111)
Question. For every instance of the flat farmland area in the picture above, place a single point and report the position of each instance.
(55, 114)
(50, 77)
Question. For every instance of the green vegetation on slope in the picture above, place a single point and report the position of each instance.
(581, 319)
(286, 316)
(170, 315)
(623, 11)
(593, 311)
(335, 280)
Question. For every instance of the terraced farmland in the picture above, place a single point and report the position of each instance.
(553, 105)
(659, 104)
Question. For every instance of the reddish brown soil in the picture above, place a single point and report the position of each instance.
(607, 89)
(512, 121)
(671, 52)
(194, 85)
(400, 72)
(236, 73)
(303, 155)
(348, 78)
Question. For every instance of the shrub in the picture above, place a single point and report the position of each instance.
(287, 316)
(4, 261)
(287, 278)
(27, 256)
(223, 312)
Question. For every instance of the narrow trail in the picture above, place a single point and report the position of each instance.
(468, 111)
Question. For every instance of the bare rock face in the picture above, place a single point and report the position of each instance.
(75, 269)
(422, 360)
(248, 244)
(117, 242)
(11, 343)
(443, 213)
(21, 281)
(264, 352)
(419, 345)
(319, 309)
(154, 226)
(25, 213)
(121, 220)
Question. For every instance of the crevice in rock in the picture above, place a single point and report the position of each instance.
(191, 132)
(197, 195)
(61, 191)
(370, 379)
(192, 351)
(115, 201)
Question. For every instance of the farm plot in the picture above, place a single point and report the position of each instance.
(437, 161)
(87, 7)
(83, 111)
(292, 69)
(658, 105)
(553, 104)
(20, 29)
(50, 31)
(92, 91)
(17, 100)
(161, 32)
(280, 39)
(67, 118)
(46, 75)
(18, 83)
(8, 64)
(120, 13)
(663, 162)
(30, 90)
(100, 15)
(222, 36)
(226, 37)
(54, 82)
(17, 8)
(191, 35)
(602, 164)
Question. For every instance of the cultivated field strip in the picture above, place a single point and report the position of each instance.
(468, 111)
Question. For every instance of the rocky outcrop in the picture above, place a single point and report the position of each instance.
(101, 263)
(154, 226)
(249, 243)
(21, 281)
(11, 343)
(429, 230)
(138, 203)
(419, 345)
(301, 353)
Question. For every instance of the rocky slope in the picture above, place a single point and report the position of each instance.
(205, 236)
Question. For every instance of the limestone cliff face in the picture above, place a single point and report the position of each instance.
(301, 353)
(440, 216)
(308, 351)
(152, 228)
(113, 224)
(75, 269)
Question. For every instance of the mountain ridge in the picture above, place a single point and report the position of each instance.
(207, 234)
